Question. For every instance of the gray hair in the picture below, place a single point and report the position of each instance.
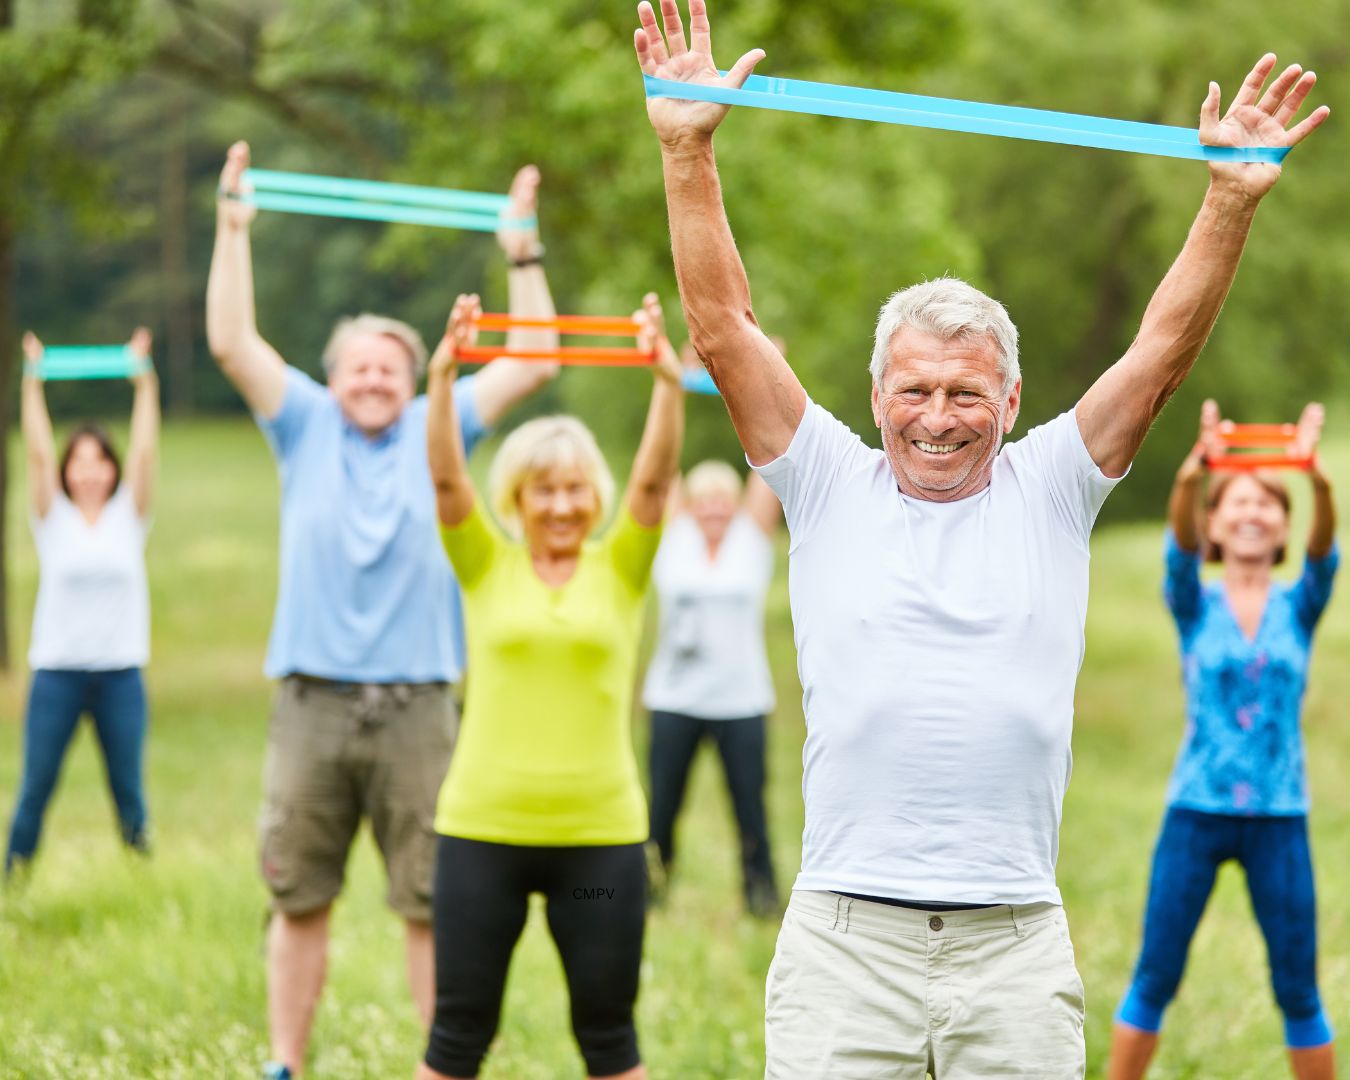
(349, 327)
(947, 307)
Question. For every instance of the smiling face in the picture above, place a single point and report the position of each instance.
(1249, 523)
(90, 476)
(559, 507)
(942, 412)
(372, 379)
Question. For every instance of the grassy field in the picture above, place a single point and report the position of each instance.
(110, 967)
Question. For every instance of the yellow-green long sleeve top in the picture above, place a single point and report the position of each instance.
(545, 750)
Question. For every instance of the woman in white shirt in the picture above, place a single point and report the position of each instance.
(91, 625)
(709, 676)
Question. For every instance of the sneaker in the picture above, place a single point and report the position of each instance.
(275, 1070)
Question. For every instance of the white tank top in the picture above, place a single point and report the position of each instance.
(93, 605)
(710, 660)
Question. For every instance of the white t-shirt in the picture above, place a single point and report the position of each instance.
(93, 604)
(710, 660)
(938, 645)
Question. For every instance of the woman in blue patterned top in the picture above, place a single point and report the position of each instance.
(1238, 790)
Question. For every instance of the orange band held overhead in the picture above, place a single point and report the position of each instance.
(596, 325)
(566, 354)
(582, 325)
(1248, 462)
(1254, 435)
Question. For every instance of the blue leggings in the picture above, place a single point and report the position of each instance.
(1273, 852)
(56, 701)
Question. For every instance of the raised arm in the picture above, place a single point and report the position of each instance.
(658, 454)
(505, 383)
(143, 450)
(250, 363)
(1183, 505)
(762, 394)
(1116, 413)
(1322, 533)
(445, 446)
(38, 442)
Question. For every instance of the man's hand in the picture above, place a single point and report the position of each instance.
(32, 347)
(672, 58)
(517, 244)
(1257, 119)
(230, 211)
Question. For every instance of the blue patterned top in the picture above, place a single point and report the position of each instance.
(1242, 752)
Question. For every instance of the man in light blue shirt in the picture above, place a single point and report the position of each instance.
(367, 636)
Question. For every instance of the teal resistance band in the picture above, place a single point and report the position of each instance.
(1041, 125)
(59, 362)
(698, 381)
(375, 200)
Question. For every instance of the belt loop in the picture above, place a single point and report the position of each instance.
(838, 903)
(841, 908)
(1015, 913)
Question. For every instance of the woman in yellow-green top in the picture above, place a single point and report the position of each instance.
(543, 792)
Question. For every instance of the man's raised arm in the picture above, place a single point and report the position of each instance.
(1116, 413)
(761, 392)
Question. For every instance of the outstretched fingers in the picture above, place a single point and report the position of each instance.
(1294, 99)
(651, 46)
(700, 30)
(742, 68)
(1279, 89)
(1251, 85)
(1306, 127)
(670, 15)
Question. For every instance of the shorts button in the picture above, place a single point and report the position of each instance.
(934, 923)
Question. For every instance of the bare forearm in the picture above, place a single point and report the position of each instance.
(658, 455)
(36, 422)
(530, 298)
(1182, 505)
(144, 444)
(230, 316)
(445, 451)
(1323, 532)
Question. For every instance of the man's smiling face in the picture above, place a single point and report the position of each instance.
(943, 411)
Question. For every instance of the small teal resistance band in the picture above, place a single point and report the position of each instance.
(60, 362)
(375, 200)
(698, 381)
(1041, 125)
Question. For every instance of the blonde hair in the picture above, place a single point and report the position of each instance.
(542, 444)
(349, 327)
(712, 478)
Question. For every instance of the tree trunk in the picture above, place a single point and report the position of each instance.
(173, 232)
(8, 335)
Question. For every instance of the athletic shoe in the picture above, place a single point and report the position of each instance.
(275, 1070)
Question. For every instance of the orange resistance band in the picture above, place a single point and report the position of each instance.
(585, 325)
(1257, 437)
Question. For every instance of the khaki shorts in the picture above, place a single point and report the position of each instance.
(338, 752)
(859, 989)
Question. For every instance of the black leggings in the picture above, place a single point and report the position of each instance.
(597, 905)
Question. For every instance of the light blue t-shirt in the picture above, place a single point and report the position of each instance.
(1242, 752)
(366, 593)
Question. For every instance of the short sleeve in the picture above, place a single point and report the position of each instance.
(1181, 583)
(471, 426)
(632, 549)
(1312, 591)
(804, 477)
(471, 546)
(1055, 455)
(303, 397)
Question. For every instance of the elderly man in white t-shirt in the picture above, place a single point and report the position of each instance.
(938, 590)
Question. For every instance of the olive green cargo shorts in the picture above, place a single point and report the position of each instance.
(341, 752)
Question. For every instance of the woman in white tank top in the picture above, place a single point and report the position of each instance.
(91, 625)
(709, 675)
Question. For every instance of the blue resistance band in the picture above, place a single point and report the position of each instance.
(698, 381)
(61, 362)
(1041, 125)
(375, 200)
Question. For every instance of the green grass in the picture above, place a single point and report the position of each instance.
(114, 968)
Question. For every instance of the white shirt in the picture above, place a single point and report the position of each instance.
(710, 660)
(93, 604)
(938, 645)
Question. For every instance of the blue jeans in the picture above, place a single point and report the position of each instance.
(1274, 853)
(56, 701)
